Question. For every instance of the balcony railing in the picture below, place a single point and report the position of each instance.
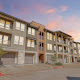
(75, 53)
(60, 51)
(5, 27)
(41, 37)
(5, 43)
(41, 48)
(58, 40)
(65, 51)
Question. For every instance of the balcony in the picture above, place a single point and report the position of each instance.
(65, 51)
(41, 48)
(5, 43)
(41, 37)
(6, 29)
(58, 40)
(75, 53)
(60, 51)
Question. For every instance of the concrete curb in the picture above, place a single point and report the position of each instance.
(58, 67)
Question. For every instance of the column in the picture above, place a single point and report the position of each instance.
(16, 58)
(63, 54)
(35, 58)
(21, 57)
(56, 44)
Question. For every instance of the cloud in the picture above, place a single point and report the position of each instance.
(1, 7)
(50, 11)
(64, 8)
(19, 10)
(70, 25)
(55, 24)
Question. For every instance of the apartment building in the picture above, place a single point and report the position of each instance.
(32, 43)
(19, 39)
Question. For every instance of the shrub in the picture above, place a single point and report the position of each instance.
(58, 63)
(53, 58)
(46, 63)
(79, 59)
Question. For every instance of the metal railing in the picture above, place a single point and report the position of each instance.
(41, 48)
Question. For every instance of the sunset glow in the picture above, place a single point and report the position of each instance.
(54, 14)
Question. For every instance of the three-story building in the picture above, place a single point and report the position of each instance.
(32, 43)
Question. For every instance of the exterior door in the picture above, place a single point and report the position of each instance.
(41, 58)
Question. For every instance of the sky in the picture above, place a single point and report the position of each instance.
(63, 15)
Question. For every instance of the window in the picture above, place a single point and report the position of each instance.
(78, 45)
(74, 44)
(71, 44)
(68, 50)
(60, 48)
(17, 25)
(5, 40)
(49, 36)
(79, 51)
(54, 38)
(31, 31)
(2, 22)
(41, 46)
(75, 51)
(18, 40)
(20, 26)
(7, 25)
(41, 35)
(49, 46)
(21, 41)
(71, 51)
(0, 39)
(54, 48)
(30, 43)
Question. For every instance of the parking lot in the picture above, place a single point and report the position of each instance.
(40, 72)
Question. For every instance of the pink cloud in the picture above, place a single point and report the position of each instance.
(70, 25)
(64, 8)
(55, 24)
(50, 11)
(19, 9)
(1, 7)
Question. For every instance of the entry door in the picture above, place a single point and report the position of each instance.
(41, 58)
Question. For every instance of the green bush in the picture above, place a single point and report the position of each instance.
(58, 63)
(46, 63)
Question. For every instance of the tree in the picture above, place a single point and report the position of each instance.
(2, 52)
(53, 58)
